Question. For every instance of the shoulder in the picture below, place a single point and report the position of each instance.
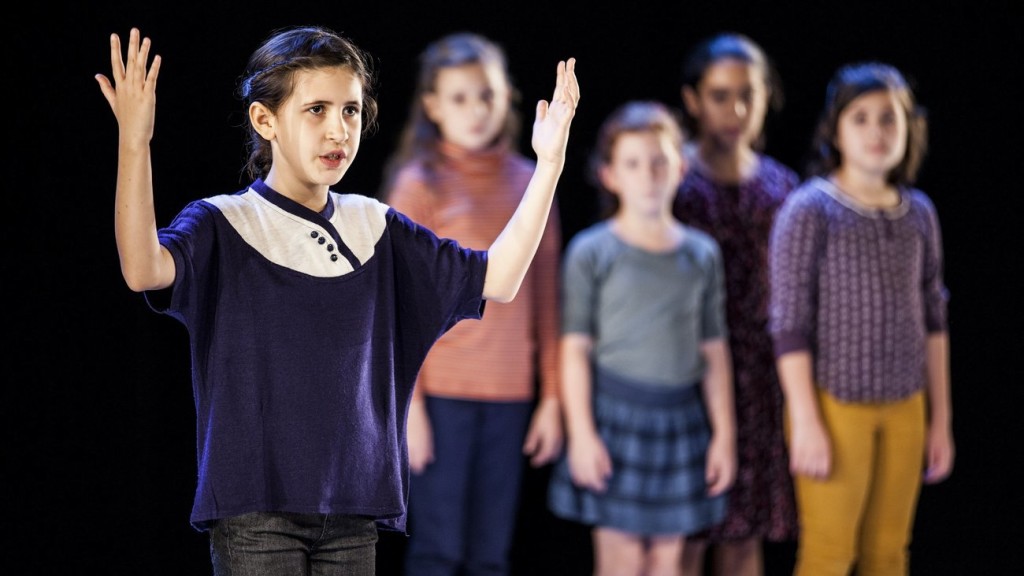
(777, 173)
(923, 210)
(359, 211)
(808, 194)
(594, 239)
(702, 244)
(241, 197)
(920, 200)
(806, 206)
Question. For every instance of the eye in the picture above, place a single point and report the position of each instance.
(351, 110)
(317, 109)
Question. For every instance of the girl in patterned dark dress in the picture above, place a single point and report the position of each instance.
(646, 385)
(732, 191)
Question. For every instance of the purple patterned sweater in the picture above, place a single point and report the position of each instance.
(859, 288)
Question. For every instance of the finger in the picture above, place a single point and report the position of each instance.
(116, 62)
(542, 110)
(572, 84)
(559, 81)
(106, 89)
(143, 58)
(530, 445)
(154, 72)
(132, 57)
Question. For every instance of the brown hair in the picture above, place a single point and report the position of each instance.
(269, 78)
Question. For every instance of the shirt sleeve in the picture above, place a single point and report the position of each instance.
(579, 289)
(713, 325)
(794, 245)
(438, 282)
(935, 293)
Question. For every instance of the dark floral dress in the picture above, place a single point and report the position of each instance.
(739, 217)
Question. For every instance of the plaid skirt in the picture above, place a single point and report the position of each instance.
(657, 438)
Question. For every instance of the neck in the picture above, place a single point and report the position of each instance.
(655, 232)
(868, 189)
(724, 165)
(312, 196)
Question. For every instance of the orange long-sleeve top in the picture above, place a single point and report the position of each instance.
(469, 197)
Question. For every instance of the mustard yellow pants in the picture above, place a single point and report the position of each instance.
(862, 515)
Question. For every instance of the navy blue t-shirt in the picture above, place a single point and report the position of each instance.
(307, 331)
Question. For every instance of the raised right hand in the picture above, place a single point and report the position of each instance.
(132, 92)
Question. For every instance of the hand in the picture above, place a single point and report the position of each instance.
(810, 452)
(589, 463)
(551, 126)
(419, 436)
(940, 454)
(544, 438)
(720, 470)
(132, 95)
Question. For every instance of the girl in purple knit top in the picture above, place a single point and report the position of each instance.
(858, 317)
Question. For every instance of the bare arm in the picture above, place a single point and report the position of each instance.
(510, 254)
(719, 400)
(941, 449)
(145, 264)
(589, 463)
(810, 452)
(544, 438)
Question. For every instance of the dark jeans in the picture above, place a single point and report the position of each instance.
(280, 544)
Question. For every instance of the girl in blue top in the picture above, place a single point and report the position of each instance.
(309, 312)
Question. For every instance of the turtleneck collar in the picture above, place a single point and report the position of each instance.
(473, 160)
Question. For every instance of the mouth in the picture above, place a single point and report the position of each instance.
(333, 160)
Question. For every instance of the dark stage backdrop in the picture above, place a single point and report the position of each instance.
(99, 458)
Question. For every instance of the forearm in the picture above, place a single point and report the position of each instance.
(509, 256)
(717, 389)
(576, 386)
(797, 380)
(145, 265)
(940, 410)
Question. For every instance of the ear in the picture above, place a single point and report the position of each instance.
(690, 100)
(608, 179)
(262, 120)
(430, 106)
(684, 166)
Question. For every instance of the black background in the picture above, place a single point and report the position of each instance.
(99, 423)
